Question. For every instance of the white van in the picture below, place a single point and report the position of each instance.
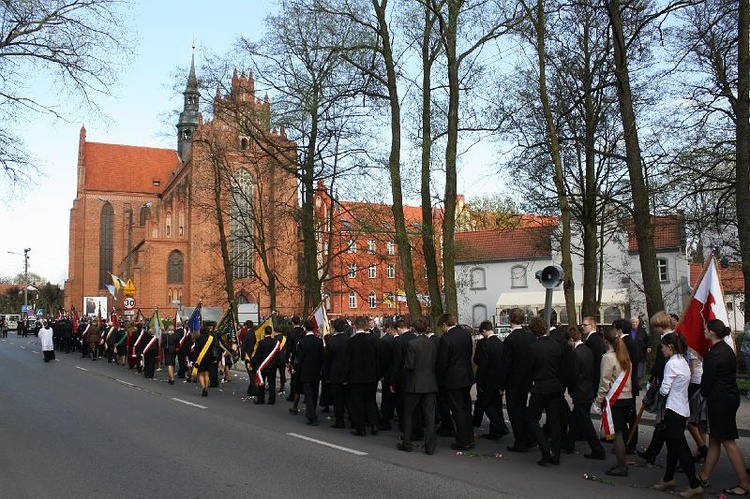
(12, 320)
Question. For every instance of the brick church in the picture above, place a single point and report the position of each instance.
(156, 215)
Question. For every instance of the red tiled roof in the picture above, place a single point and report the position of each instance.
(365, 213)
(508, 244)
(731, 277)
(4, 288)
(668, 233)
(119, 168)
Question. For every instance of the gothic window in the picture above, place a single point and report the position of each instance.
(241, 299)
(243, 144)
(478, 279)
(372, 271)
(175, 267)
(391, 271)
(106, 244)
(352, 299)
(169, 296)
(144, 214)
(371, 300)
(240, 224)
(168, 224)
(181, 227)
(390, 248)
(371, 246)
(518, 277)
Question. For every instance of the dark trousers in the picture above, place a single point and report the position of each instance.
(550, 404)
(677, 448)
(580, 424)
(182, 365)
(364, 405)
(282, 376)
(149, 365)
(311, 400)
(490, 402)
(516, 406)
(657, 440)
(444, 417)
(425, 402)
(84, 348)
(632, 416)
(252, 388)
(339, 402)
(459, 403)
(269, 379)
(387, 404)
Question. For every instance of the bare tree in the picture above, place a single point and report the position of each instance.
(72, 40)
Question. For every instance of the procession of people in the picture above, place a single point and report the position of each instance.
(427, 371)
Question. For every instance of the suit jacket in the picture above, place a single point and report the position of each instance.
(265, 347)
(596, 343)
(581, 378)
(362, 359)
(719, 381)
(334, 362)
(514, 370)
(398, 358)
(454, 359)
(641, 342)
(633, 353)
(545, 365)
(489, 357)
(387, 346)
(293, 337)
(310, 358)
(419, 366)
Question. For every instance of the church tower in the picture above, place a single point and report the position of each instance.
(189, 116)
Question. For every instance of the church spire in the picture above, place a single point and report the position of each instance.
(189, 116)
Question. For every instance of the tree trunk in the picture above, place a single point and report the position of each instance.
(644, 230)
(590, 225)
(743, 146)
(218, 164)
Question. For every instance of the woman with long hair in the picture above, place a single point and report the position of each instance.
(674, 387)
(614, 396)
(719, 387)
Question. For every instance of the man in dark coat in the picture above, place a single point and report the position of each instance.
(405, 335)
(488, 359)
(295, 387)
(455, 375)
(334, 370)
(387, 345)
(264, 362)
(420, 386)
(579, 379)
(363, 372)
(595, 342)
(310, 366)
(514, 379)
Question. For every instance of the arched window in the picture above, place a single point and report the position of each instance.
(371, 300)
(478, 314)
(241, 224)
(144, 214)
(352, 299)
(169, 296)
(106, 244)
(611, 314)
(243, 144)
(477, 279)
(168, 223)
(181, 221)
(518, 277)
(241, 299)
(175, 264)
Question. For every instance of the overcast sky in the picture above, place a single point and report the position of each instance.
(37, 216)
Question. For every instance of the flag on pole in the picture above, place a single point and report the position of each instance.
(320, 318)
(707, 303)
(260, 331)
(117, 282)
(195, 320)
(99, 316)
(114, 319)
(111, 290)
(155, 324)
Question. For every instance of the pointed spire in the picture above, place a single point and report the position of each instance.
(192, 83)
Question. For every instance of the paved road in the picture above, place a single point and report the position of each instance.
(77, 429)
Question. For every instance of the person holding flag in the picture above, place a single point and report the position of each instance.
(264, 364)
(150, 352)
(203, 358)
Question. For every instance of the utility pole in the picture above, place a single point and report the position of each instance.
(26, 279)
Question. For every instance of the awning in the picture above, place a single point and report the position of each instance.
(522, 299)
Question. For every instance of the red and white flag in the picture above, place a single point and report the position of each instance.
(320, 318)
(707, 303)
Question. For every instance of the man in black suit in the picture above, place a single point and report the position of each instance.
(420, 386)
(640, 337)
(264, 361)
(387, 397)
(310, 366)
(488, 358)
(580, 379)
(363, 372)
(295, 387)
(334, 369)
(405, 335)
(456, 376)
(515, 381)
(595, 342)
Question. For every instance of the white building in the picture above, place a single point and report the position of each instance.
(495, 272)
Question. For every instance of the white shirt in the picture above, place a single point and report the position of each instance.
(697, 371)
(45, 338)
(675, 385)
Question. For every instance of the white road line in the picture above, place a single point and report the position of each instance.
(34, 351)
(328, 444)
(189, 403)
(124, 382)
(23, 347)
(82, 369)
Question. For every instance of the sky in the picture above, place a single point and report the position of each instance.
(136, 113)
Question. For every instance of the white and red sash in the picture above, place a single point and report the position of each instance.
(608, 424)
(149, 345)
(140, 337)
(85, 331)
(259, 371)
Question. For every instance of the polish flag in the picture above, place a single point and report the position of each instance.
(707, 303)
(320, 318)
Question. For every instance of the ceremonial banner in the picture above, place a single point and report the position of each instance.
(707, 303)
(195, 321)
(320, 318)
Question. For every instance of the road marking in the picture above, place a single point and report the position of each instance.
(82, 369)
(23, 347)
(328, 444)
(34, 351)
(124, 382)
(189, 403)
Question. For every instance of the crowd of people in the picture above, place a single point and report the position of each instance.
(426, 373)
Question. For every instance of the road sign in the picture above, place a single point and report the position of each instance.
(128, 313)
(129, 303)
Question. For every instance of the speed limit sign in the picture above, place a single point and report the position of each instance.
(129, 303)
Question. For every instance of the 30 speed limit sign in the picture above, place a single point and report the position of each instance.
(129, 303)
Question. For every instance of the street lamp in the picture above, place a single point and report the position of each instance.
(25, 275)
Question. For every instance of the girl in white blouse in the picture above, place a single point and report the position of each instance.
(674, 387)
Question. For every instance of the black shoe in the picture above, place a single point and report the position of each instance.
(171, 382)
(517, 448)
(600, 456)
(462, 447)
(555, 460)
(404, 447)
(336, 425)
(312, 422)
(294, 411)
(647, 456)
(259, 402)
(568, 450)
(325, 410)
(358, 433)
(630, 450)
(374, 430)
(615, 471)
(545, 461)
(204, 393)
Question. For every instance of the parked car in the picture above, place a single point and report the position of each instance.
(32, 326)
(11, 321)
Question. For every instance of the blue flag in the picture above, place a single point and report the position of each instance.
(195, 321)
